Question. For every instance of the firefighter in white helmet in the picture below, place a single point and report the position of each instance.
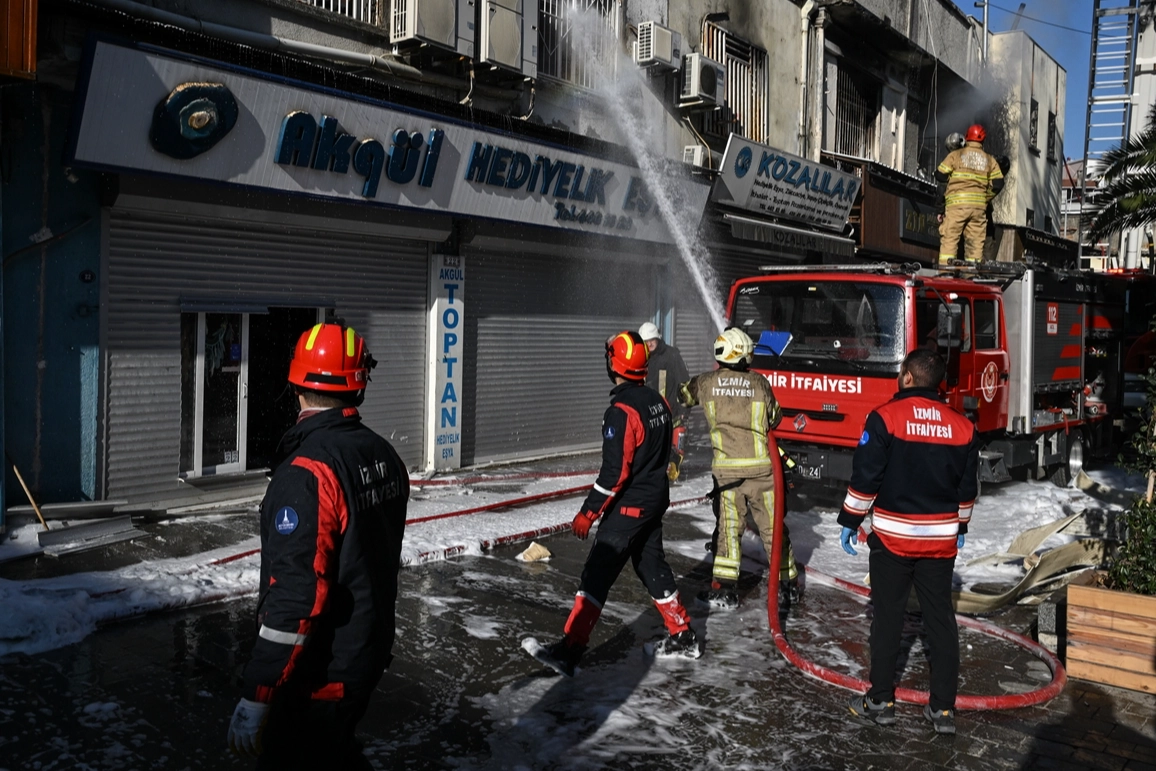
(741, 409)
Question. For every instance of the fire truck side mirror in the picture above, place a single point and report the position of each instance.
(949, 326)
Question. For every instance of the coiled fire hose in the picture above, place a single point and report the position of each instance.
(906, 695)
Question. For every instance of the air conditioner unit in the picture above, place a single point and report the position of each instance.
(658, 47)
(695, 155)
(508, 35)
(703, 82)
(447, 24)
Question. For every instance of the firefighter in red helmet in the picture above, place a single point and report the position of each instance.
(629, 497)
(331, 528)
(972, 178)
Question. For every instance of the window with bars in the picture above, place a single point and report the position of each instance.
(1052, 137)
(1034, 126)
(856, 115)
(358, 10)
(576, 40)
(747, 86)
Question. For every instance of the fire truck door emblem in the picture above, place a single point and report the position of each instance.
(988, 381)
(800, 422)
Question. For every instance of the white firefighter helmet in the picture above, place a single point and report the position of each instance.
(649, 331)
(733, 346)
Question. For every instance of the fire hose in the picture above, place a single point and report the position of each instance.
(906, 695)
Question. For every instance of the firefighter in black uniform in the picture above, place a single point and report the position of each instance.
(331, 528)
(915, 472)
(630, 496)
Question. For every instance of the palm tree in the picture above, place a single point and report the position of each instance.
(1127, 195)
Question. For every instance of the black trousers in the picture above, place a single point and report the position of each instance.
(891, 579)
(620, 539)
(310, 735)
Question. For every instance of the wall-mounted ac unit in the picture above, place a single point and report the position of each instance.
(695, 155)
(447, 24)
(703, 82)
(658, 47)
(508, 35)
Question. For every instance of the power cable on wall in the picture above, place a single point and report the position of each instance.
(1040, 21)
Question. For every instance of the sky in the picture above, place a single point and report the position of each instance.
(1063, 29)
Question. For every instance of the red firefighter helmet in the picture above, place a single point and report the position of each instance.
(331, 357)
(975, 133)
(626, 356)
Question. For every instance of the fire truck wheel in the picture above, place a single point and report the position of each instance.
(1064, 473)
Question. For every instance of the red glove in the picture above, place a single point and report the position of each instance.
(582, 522)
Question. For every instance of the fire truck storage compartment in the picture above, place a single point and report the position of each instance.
(1044, 312)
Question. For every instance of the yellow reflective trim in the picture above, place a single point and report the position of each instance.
(715, 435)
(313, 336)
(349, 340)
(758, 424)
(944, 168)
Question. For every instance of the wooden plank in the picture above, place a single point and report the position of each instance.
(1140, 663)
(1117, 622)
(1105, 599)
(1135, 643)
(1111, 676)
(18, 38)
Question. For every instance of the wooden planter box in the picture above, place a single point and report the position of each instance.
(1112, 637)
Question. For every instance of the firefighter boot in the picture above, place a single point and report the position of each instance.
(720, 595)
(682, 640)
(583, 617)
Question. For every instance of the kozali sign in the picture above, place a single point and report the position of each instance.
(216, 123)
(765, 180)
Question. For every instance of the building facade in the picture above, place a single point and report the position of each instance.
(486, 194)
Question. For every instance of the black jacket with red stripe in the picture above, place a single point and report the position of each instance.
(636, 438)
(331, 528)
(916, 467)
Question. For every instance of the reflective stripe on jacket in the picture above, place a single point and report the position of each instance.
(741, 408)
(916, 467)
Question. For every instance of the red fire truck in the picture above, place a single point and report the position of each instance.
(1034, 357)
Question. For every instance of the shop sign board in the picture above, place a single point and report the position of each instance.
(149, 110)
(447, 322)
(762, 179)
(918, 222)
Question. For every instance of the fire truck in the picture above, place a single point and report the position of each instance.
(1034, 357)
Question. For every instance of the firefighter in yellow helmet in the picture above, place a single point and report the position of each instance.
(973, 178)
(741, 409)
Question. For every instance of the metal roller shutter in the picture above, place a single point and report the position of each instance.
(156, 258)
(535, 380)
(694, 331)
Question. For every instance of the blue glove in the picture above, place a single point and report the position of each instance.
(848, 537)
(959, 541)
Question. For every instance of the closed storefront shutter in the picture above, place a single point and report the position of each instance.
(694, 331)
(536, 324)
(159, 259)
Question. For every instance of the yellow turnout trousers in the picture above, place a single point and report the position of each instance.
(971, 222)
(757, 493)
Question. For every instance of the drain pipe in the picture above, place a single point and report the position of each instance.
(388, 64)
(818, 86)
(804, 87)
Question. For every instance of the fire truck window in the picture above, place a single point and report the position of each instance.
(986, 325)
(926, 319)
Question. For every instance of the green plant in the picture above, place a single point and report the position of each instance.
(1133, 568)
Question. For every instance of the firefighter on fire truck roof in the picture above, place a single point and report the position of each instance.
(973, 178)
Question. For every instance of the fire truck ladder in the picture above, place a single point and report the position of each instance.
(1110, 73)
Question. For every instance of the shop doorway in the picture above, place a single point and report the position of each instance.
(234, 402)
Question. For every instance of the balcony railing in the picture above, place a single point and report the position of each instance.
(358, 10)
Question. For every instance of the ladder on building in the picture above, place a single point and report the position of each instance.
(1113, 63)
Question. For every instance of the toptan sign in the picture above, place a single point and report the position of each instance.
(762, 179)
(150, 110)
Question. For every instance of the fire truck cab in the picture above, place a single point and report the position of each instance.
(1023, 345)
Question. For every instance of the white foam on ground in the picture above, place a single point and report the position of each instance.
(45, 614)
